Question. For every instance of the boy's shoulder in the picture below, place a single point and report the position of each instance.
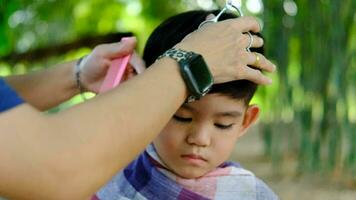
(263, 191)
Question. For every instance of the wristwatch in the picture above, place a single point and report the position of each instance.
(194, 70)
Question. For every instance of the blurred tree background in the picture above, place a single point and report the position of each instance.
(308, 113)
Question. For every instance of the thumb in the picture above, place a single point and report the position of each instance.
(210, 16)
(207, 19)
(115, 50)
(137, 63)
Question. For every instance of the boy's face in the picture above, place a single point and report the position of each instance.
(202, 134)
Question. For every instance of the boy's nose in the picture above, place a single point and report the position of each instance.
(198, 135)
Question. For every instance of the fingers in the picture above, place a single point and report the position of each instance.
(259, 61)
(137, 63)
(256, 41)
(256, 76)
(246, 24)
(119, 49)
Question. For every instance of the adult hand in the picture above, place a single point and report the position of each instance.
(95, 66)
(226, 55)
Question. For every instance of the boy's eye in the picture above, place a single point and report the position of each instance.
(221, 126)
(182, 119)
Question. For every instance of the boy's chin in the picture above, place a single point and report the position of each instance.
(191, 174)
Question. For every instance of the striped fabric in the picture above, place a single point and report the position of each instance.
(147, 178)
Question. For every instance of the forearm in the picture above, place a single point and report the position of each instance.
(92, 141)
(138, 111)
(47, 88)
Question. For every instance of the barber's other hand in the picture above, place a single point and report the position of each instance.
(223, 46)
(96, 64)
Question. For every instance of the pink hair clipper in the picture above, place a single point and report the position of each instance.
(115, 72)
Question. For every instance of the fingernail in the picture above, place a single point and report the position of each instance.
(210, 16)
(260, 23)
(261, 41)
(274, 67)
(127, 38)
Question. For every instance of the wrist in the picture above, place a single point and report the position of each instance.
(187, 47)
(170, 67)
(194, 71)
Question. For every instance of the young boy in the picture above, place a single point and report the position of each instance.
(188, 159)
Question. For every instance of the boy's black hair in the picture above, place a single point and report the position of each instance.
(174, 29)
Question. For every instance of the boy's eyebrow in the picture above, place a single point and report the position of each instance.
(229, 114)
(218, 114)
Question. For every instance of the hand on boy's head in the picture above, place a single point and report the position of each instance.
(226, 54)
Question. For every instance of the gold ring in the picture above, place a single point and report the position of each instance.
(257, 61)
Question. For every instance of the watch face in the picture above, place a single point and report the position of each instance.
(201, 73)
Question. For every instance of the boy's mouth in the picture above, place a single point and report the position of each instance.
(193, 157)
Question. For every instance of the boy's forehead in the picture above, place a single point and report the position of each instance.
(216, 103)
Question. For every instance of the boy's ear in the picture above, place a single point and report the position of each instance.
(251, 115)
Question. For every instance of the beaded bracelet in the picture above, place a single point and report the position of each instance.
(78, 70)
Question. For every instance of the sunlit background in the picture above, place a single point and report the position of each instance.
(308, 114)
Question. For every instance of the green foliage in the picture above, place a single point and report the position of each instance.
(314, 52)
